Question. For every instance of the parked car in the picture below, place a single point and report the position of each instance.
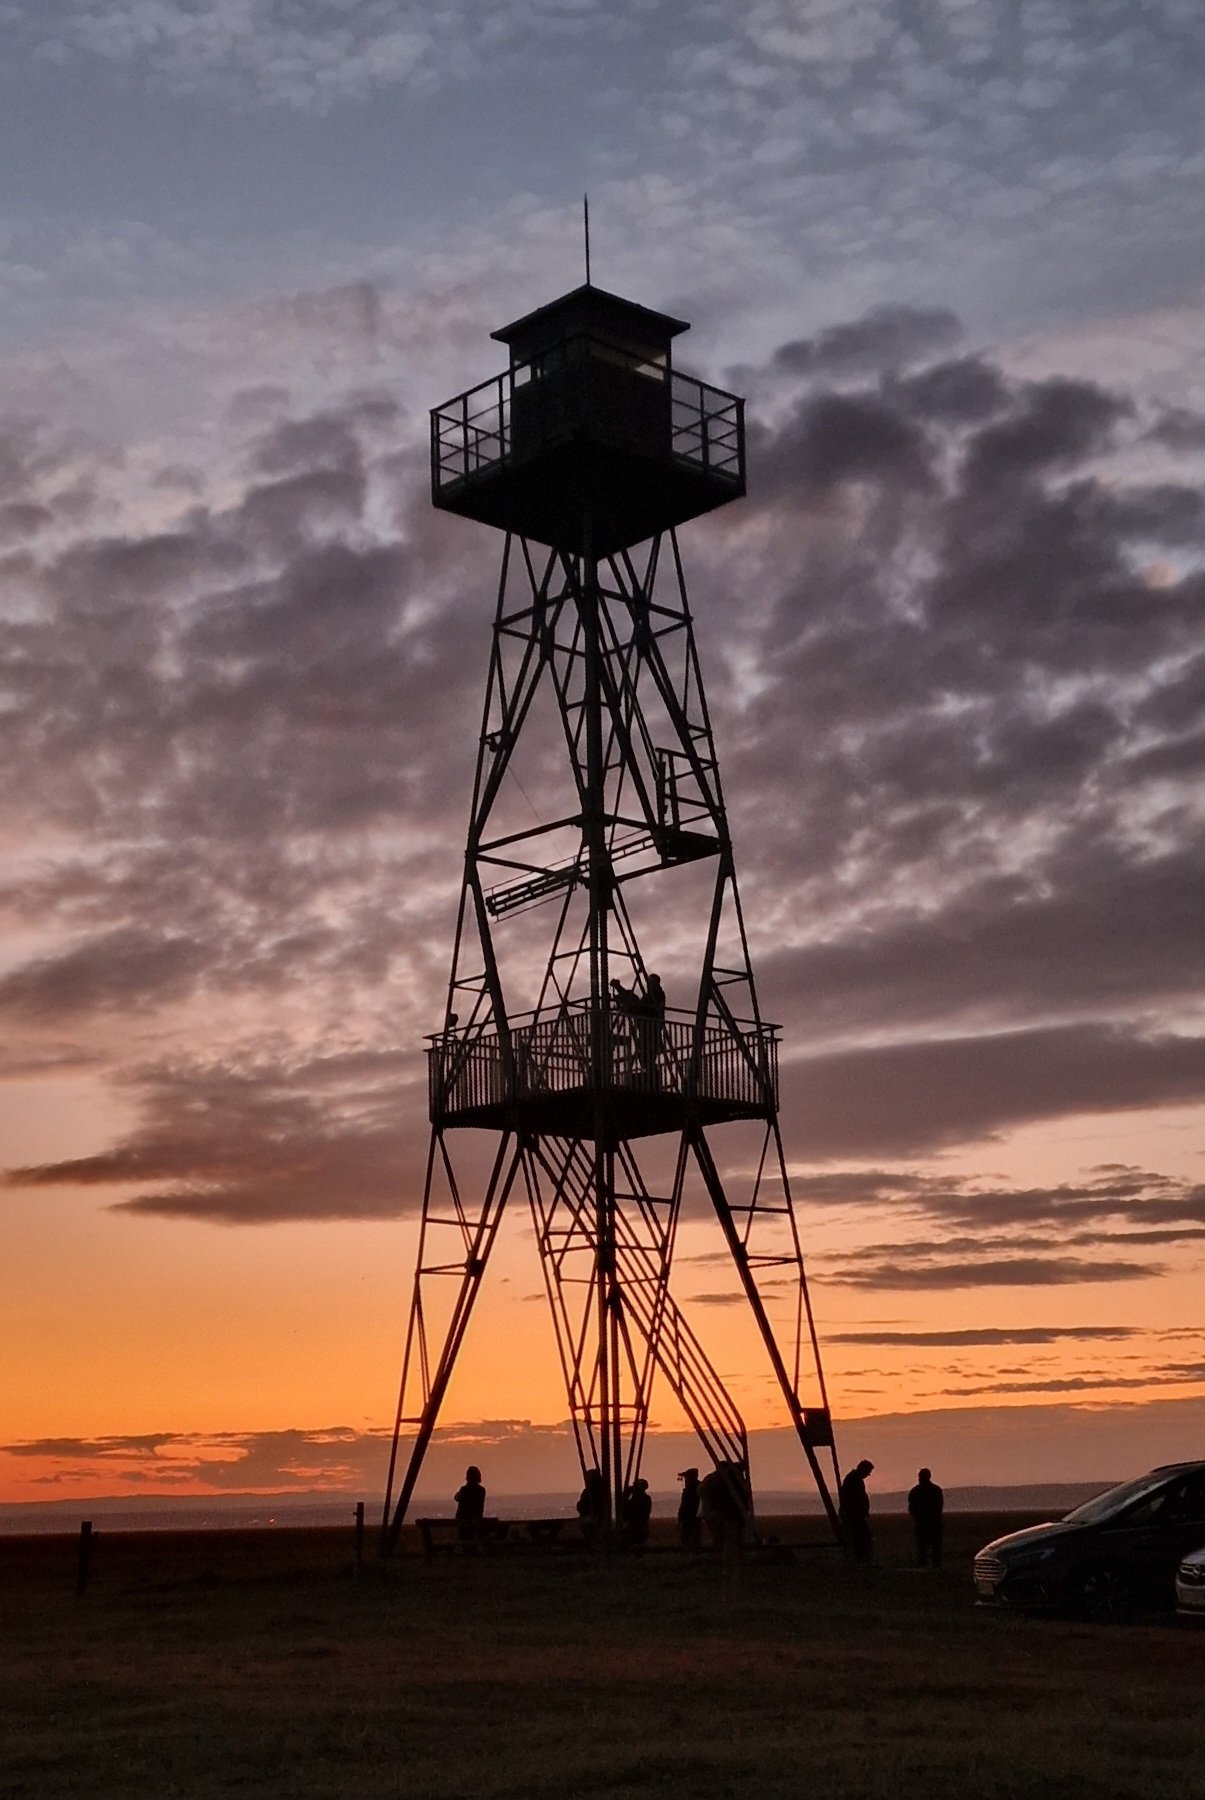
(1190, 1586)
(1107, 1558)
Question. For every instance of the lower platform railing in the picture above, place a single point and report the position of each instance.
(474, 1070)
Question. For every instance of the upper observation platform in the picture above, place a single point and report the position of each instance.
(591, 441)
(548, 1073)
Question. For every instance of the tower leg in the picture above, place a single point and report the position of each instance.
(454, 1247)
(738, 1244)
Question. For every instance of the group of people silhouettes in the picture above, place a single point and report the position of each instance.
(635, 1511)
(646, 1016)
(721, 1504)
(926, 1504)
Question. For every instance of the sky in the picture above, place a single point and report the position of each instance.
(954, 641)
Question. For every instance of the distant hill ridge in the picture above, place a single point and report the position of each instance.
(225, 1512)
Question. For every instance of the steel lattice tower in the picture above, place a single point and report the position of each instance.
(599, 849)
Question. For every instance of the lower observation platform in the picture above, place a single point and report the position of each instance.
(658, 1074)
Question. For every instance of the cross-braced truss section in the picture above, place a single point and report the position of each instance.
(607, 1276)
(598, 851)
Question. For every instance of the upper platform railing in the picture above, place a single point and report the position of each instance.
(726, 1069)
(473, 435)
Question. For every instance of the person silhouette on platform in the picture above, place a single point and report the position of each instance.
(855, 1511)
(651, 1028)
(690, 1531)
(470, 1506)
(926, 1502)
(646, 1013)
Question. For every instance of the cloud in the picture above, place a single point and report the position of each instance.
(1058, 423)
(911, 1098)
(99, 1448)
(1179, 428)
(963, 392)
(975, 1232)
(1178, 1234)
(332, 1457)
(985, 1335)
(958, 750)
(840, 438)
(1074, 946)
(818, 103)
(1129, 1196)
(296, 1460)
(310, 55)
(22, 1061)
(889, 337)
(119, 971)
(1056, 1441)
(1104, 1381)
(1009, 1272)
(969, 757)
(325, 1138)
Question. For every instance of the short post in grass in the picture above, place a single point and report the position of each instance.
(84, 1565)
(358, 1558)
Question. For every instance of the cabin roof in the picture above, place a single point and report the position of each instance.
(589, 305)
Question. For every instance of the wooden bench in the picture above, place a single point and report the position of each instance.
(539, 1534)
(441, 1537)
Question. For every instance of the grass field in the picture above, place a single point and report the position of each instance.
(226, 1663)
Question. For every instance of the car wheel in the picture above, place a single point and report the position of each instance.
(1104, 1595)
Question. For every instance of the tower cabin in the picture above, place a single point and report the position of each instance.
(591, 441)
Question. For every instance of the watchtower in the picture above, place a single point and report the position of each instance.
(599, 852)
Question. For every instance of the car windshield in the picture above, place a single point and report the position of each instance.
(1116, 1499)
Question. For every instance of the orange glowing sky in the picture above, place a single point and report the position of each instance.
(954, 652)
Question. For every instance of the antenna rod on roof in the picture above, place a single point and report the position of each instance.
(586, 229)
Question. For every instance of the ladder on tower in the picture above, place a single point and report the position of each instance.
(670, 845)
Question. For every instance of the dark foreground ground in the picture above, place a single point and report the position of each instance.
(227, 1663)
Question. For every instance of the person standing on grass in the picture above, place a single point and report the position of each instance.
(926, 1503)
(726, 1504)
(637, 1511)
(593, 1506)
(470, 1506)
(855, 1511)
(690, 1531)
